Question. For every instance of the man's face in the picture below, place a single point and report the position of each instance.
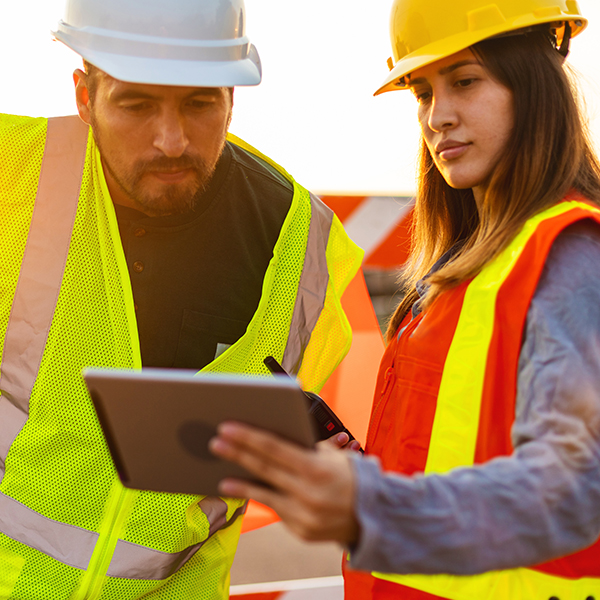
(159, 144)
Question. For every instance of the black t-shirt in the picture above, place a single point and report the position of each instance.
(197, 277)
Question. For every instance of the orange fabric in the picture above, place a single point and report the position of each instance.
(405, 403)
(386, 590)
(409, 379)
(359, 585)
(497, 415)
(513, 301)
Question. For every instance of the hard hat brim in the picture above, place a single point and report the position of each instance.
(437, 50)
(236, 64)
(177, 72)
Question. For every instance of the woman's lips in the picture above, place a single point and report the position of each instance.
(451, 150)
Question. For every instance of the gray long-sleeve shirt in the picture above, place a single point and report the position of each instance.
(541, 502)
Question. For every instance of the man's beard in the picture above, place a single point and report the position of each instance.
(176, 198)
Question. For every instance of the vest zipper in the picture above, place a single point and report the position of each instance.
(388, 378)
(118, 511)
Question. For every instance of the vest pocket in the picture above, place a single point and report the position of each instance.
(200, 336)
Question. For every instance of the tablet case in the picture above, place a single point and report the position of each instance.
(157, 422)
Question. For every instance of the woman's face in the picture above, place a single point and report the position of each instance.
(466, 118)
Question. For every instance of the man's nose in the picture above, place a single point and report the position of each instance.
(170, 137)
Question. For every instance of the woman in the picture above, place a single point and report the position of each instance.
(486, 416)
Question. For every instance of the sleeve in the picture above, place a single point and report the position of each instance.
(541, 502)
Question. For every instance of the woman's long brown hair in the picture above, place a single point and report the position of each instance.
(547, 155)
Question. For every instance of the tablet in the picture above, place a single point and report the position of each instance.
(157, 422)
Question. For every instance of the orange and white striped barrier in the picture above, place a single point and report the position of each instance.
(380, 225)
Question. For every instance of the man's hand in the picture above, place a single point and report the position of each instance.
(341, 441)
(313, 489)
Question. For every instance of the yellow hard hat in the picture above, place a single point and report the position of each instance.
(423, 31)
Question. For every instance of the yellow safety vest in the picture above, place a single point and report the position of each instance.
(68, 528)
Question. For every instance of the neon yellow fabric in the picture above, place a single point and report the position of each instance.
(59, 465)
(456, 423)
(513, 584)
(321, 354)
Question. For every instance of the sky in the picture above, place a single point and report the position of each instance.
(314, 111)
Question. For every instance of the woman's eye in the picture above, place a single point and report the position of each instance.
(465, 82)
(422, 96)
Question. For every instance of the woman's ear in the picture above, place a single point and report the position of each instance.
(82, 95)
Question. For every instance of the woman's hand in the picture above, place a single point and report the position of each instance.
(313, 489)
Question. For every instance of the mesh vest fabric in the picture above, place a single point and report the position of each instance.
(58, 465)
(445, 398)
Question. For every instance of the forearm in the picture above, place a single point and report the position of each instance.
(513, 511)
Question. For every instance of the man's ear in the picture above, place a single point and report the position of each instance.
(82, 96)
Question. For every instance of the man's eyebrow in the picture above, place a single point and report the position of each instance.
(204, 91)
(446, 70)
(132, 94)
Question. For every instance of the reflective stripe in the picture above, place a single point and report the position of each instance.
(215, 509)
(456, 422)
(74, 545)
(132, 561)
(513, 584)
(312, 287)
(41, 273)
(69, 544)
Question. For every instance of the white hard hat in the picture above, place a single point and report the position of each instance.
(200, 43)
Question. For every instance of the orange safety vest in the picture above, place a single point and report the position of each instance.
(445, 398)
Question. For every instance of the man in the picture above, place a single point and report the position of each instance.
(150, 238)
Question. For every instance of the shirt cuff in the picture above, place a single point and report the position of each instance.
(367, 552)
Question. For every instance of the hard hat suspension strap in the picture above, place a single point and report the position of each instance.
(563, 50)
